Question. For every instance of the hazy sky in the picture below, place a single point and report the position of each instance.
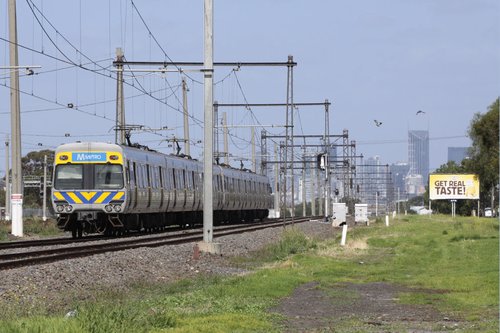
(382, 60)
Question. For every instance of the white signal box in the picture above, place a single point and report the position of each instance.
(339, 211)
(361, 213)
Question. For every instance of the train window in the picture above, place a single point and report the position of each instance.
(133, 173)
(139, 175)
(151, 174)
(130, 172)
(108, 176)
(180, 178)
(69, 176)
(160, 174)
(148, 175)
(170, 180)
(144, 176)
(185, 179)
(155, 177)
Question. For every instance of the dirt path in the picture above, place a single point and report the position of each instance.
(371, 307)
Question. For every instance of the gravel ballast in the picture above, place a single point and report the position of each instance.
(56, 286)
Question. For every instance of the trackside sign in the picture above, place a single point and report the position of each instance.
(457, 186)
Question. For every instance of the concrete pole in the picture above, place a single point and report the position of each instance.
(321, 193)
(327, 162)
(17, 176)
(207, 244)
(216, 131)
(226, 141)
(7, 182)
(276, 184)
(313, 190)
(254, 160)
(44, 205)
(120, 103)
(187, 146)
(304, 192)
(292, 157)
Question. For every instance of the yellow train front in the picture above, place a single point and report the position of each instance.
(89, 187)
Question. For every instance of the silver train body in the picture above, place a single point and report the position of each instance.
(108, 188)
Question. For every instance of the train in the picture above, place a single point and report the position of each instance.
(113, 189)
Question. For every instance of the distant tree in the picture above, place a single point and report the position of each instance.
(483, 161)
(32, 165)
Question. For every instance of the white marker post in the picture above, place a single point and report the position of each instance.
(344, 234)
(387, 220)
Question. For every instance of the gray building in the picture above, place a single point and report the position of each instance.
(418, 153)
(458, 154)
(399, 171)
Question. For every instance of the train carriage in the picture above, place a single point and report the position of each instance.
(108, 188)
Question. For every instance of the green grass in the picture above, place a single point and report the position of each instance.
(451, 263)
(32, 226)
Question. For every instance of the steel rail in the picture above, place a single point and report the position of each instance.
(19, 259)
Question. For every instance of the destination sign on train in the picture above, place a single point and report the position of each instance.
(88, 157)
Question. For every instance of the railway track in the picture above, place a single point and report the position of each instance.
(26, 258)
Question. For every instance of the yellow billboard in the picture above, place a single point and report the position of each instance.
(457, 186)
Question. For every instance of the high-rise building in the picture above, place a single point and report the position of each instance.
(418, 153)
(457, 154)
(399, 171)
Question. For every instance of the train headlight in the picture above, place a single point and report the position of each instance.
(117, 208)
(108, 208)
(59, 209)
(68, 208)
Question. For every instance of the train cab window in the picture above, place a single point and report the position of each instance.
(108, 176)
(69, 176)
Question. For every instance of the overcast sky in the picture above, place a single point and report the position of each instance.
(374, 60)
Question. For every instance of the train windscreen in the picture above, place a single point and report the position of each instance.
(88, 176)
(108, 176)
(69, 176)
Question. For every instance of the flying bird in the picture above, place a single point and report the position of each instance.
(420, 111)
(377, 123)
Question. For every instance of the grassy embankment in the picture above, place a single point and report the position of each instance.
(458, 257)
(32, 226)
